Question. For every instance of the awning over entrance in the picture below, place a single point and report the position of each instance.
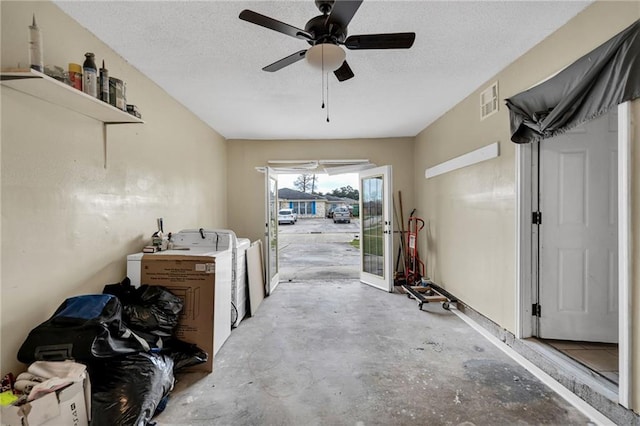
(330, 167)
(586, 89)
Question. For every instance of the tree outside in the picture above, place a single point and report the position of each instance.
(306, 183)
(346, 192)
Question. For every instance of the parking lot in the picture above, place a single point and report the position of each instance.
(318, 249)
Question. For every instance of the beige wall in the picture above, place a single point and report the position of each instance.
(68, 221)
(471, 211)
(246, 185)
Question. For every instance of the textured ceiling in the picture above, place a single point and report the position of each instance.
(210, 61)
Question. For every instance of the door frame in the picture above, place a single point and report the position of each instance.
(277, 167)
(272, 279)
(527, 256)
(386, 282)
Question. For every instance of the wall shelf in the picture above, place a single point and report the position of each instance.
(479, 155)
(42, 86)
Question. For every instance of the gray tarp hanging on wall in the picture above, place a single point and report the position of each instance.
(586, 89)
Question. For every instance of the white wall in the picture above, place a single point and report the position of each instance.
(67, 220)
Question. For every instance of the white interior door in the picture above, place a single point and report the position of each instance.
(376, 230)
(271, 230)
(578, 234)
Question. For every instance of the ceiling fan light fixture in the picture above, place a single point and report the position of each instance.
(334, 56)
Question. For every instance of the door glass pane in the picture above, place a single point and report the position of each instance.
(373, 226)
(273, 228)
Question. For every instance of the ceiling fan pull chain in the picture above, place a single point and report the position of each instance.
(327, 97)
(322, 74)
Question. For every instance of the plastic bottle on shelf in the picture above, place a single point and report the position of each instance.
(158, 239)
(36, 57)
(104, 83)
(90, 75)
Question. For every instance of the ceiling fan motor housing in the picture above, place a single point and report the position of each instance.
(324, 32)
(325, 6)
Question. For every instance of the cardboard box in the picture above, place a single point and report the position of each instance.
(62, 408)
(192, 278)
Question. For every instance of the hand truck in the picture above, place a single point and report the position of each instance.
(414, 268)
(423, 291)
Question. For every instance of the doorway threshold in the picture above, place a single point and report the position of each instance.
(601, 358)
(574, 371)
(594, 389)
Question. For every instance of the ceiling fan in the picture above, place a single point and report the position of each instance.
(326, 33)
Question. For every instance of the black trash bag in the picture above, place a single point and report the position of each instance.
(184, 354)
(151, 311)
(122, 290)
(82, 328)
(128, 390)
(156, 310)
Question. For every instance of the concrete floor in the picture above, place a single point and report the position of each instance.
(338, 352)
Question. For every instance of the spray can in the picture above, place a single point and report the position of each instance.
(36, 58)
(90, 75)
(75, 76)
(104, 83)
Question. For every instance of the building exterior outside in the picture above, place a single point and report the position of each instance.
(307, 205)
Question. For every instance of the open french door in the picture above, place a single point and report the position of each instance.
(376, 229)
(271, 230)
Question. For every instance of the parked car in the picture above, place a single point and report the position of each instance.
(286, 216)
(341, 214)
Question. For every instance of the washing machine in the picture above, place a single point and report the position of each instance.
(227, 239)
(218, 244)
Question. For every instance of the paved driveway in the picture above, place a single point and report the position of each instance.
(319, 226)
(318, 249)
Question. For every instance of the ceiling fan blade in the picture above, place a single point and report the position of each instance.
(343, 11)
(344, 72)
(380, 41)
(273, 24)
(291, 59)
